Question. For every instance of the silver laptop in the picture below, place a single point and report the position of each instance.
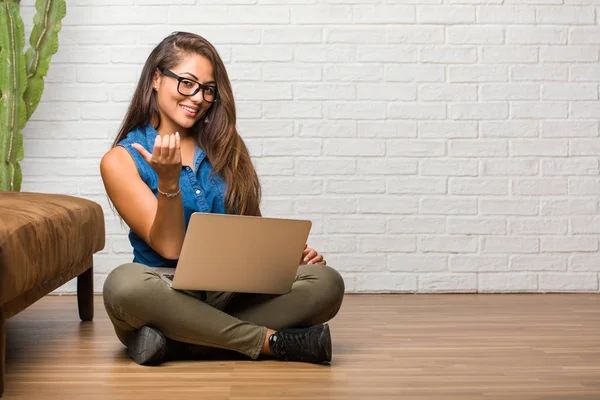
(234, 253)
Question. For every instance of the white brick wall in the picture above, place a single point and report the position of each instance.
(437, 145)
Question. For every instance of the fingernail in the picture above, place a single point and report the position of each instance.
(310, 262)
(306, 259)
(176, 133)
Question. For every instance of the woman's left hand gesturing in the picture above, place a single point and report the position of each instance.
(310, 256)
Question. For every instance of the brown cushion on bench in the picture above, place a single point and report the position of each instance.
(44, 235)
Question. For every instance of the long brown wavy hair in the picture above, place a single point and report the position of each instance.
(219, 138)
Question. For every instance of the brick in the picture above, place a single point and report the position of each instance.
(387, 91)
(571, 166)
(447, 129)
(510, 167)
(417, 111)
(448, 206)
(478, 73)
(584, 109)
(273, 166)
(584, 263)
(387, 129)
(352, 72)
(475, 35)
(515, 282)
(291, 110)
(449, 167)
(503, 206)
(324, 53)
(384, 14)
(250, 128)
(286, 72)
(292, 34)
(387, 283)
(457, 282)
(325, 205)
(357, 262)
(349, 110)
(504, 14)
(568, 282)
(328, 244)
(329, 129)
(539, 186)
(539, 147)
(476, 225)
(585, 225)
(448, 54)
(539, 262)
(321, 91)
(321, 166)
(538, 226)
(409, 185)
(354, 36)
(417, 263)
(448, 243)
(569, 129)
(584, 186)
(568, 207)
(497, 129)
(539, 110)
(477, 263)
(388, 205)
(426, 225)
(565, 15)
(536, 35)
(286, 147)
(415, 34)
(387, 243)
(286, 186)
(539, 73)
(415, 148)
(509, 54)
(569, 54)
(387, 166)
(445, 14)
(472, 110)
(554, 91)
(354, 147)
(356, 225)
(510, 244)
(478, 186)
(335, 14)
(510, 91)
(478, 148)
(355, 186)
(568, 244)
(414, 73)
(447, 92)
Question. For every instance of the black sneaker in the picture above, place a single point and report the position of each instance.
(148, 346)
(311, 345)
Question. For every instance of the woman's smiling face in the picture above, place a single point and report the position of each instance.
(179, 112)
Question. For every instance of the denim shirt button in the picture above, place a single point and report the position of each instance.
(197, 192)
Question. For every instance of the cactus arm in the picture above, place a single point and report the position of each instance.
(43, 44)
(13, 83)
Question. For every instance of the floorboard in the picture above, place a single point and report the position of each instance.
(386, 346)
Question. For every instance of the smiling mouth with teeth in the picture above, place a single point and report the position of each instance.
(190, 110)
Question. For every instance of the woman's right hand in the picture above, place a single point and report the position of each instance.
(165, 158)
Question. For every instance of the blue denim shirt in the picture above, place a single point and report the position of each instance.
(201, 191)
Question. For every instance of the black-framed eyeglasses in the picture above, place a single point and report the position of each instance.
(189, 87)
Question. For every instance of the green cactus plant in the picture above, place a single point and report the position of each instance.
(21, 77)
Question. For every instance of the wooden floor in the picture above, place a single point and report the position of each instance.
(534, 346)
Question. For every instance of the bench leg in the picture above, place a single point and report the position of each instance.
(2, 350)
(85, 294)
